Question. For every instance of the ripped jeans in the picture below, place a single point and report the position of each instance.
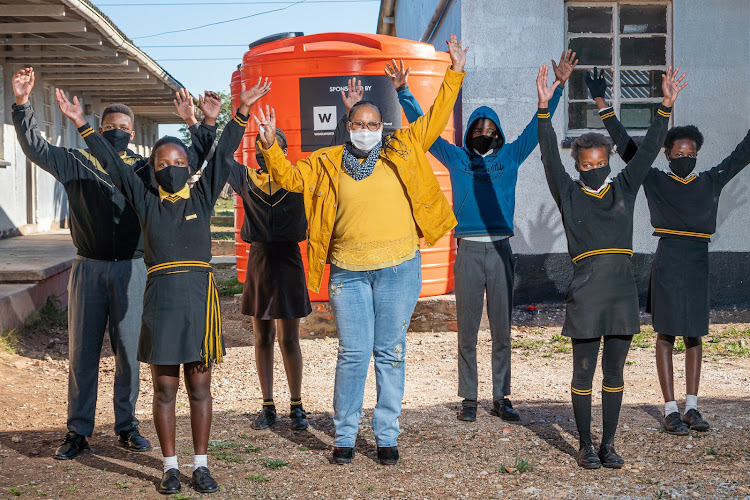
(372, 311)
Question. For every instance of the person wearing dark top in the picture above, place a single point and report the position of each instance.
(602, 300)
(108, 276)
(683, 207)
(181, 322)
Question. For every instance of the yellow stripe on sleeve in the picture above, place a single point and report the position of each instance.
(602, 251)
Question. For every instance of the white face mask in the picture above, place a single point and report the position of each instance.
(365, 139)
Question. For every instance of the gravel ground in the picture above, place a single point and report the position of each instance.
(441, 457)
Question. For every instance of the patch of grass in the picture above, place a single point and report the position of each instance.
(228, 456)
(711, 451)
(229, 287)
(303, 448)
(739, 348)
(560, 343)
(259, 478)
(679, 345)
(629, 362)
(50, 315)
(15, 491)
(181, 496)
(72, 487)
(519, 466)
(9, 342)
(222, 235)
(527, 344)
(122, 484)
(251, 448)
(276, 463)
(222, 445)
(641, 340)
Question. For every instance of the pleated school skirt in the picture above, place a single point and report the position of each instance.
(679, 293)
(275, 286)
(181, 317)
(602, 298)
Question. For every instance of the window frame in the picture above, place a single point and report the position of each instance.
(616, 101)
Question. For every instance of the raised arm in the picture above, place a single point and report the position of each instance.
(597, 85)
(202, 134)
(55, 160)
(290, 177)
(524, 145)
(558, 180)
(732, 164)
(426, 129)
(638, 167)
(355, 92)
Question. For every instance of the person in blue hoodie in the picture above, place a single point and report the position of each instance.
(483, 174)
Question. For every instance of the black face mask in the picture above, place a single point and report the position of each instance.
(682, 166)
(118, 138)
(595, 178)
(261, 161)
(482, 143)
(172, 178)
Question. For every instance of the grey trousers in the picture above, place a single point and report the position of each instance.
(98, 291)
(484, 267)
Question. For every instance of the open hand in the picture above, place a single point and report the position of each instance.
(565, 67)
(355, 93)
(183, 101)
(457, 53)
(670, 86)
(398, 75)
(23, 82)
(72, 110)
(267, 126)
(545, 92)
(210, 104)
(251, 95)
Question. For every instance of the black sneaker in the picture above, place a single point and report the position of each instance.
(343, 454)
(468, 413)
(674, 425)
(609, 457)
(74, 445)
(503, 408)
(694, 420)
(587, 458)
(265, 419)
(299, 418)
(203, 482)
(170, 482)
(388, 455)
(133, 441)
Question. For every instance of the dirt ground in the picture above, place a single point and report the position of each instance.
(441, 457)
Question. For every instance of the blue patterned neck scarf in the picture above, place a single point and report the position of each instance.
(358, 170)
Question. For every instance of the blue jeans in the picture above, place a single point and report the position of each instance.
(372, 311)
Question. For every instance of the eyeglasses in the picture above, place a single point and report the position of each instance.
(362, 125)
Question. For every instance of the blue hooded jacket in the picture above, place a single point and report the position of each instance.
(484, 188)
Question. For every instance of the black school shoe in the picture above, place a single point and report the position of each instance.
(467, 413)
(694, 420)
(388, 455)
(74, 445)
(609, 457)
(203, 482)
(343, 454)
(674, 425)
(299, 418)
(587, 458)
(503, 408)
(133, 441)
(266, 418)
(170, 482)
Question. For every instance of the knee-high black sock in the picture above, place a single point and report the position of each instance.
(611, 403)
(585, 352)
(613, 362)
(582, 411)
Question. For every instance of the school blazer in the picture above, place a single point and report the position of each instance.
(317, 178)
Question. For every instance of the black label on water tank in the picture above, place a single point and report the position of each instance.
(321, 107)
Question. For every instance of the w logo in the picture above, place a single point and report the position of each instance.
(324, 118)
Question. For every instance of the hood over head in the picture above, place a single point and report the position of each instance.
(478, 114)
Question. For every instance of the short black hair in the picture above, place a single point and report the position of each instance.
(365, 103)
(168, 139)
(589, 141)
(684, 132)
(280, 138)
(117, 107)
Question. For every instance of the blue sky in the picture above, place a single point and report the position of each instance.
(212, 70)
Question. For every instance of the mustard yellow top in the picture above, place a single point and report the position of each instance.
(374, 226)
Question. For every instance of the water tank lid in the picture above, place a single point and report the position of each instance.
(239, 66)
(276, 37)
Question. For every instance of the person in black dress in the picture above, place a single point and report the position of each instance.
(683, 208)
(181, 322)
(602, 300)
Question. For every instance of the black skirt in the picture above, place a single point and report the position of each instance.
(602, 298)
(179, 308)
(679, 293)
(275, 286)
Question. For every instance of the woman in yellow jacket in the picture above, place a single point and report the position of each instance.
(367, 204)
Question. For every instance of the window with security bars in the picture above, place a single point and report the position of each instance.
(631, 43)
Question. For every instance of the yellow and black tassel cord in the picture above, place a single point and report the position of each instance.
(212, 349)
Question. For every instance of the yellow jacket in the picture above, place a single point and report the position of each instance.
(317, 177)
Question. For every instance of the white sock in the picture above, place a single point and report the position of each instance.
(170, 463)
(670, 407)
(200, 461)
(691, 402)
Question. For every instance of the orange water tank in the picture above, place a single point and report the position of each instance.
(308, 73)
